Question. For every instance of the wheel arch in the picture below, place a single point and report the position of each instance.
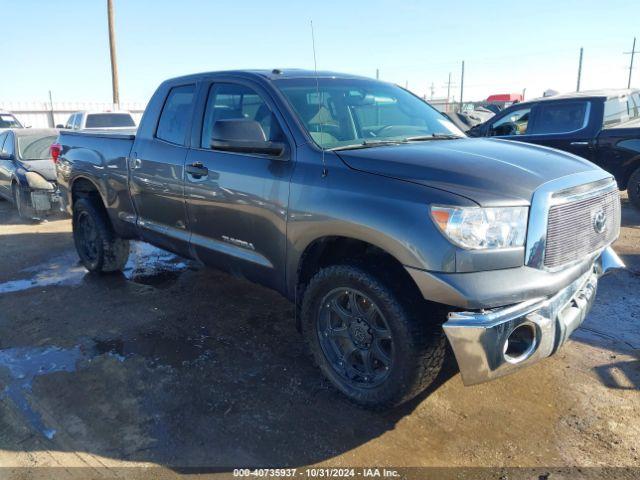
(337, 249)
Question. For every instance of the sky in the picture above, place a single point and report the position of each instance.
(507, 46)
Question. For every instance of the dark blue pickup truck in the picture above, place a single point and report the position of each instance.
(388, 228)
(602, 126)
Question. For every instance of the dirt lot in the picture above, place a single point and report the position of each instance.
(174, 365)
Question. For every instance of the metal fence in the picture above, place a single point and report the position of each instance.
(42, 115)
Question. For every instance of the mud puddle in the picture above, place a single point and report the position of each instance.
(160, 347)
(156, 348)
(147, 265)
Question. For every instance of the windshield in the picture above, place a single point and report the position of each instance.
(344, 112)
(35, 148)
(109, 120)
(8, 121)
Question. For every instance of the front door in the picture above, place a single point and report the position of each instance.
(237, 203)
(157, 174)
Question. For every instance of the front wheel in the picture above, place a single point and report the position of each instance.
(98, 246)
(633, 188)
(368, 343)
(20, 203)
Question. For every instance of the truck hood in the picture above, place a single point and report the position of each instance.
(491, 172)
(46, 168)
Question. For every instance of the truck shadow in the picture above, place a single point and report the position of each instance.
(200, 369)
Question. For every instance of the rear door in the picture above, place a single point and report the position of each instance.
(565, 125)
(157, 173)
(237, 206)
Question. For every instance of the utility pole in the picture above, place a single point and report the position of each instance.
(632, 53)
(432, 90)
(112, 50)
(461, 85)
(579, 70)
(449, 87)
(53, 120)
(377, 74)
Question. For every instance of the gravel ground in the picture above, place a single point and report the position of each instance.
(173, 365)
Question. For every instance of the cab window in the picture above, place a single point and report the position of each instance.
(619, 110)
(230, 101)
(556, 117)
(176, 113)
(514, 123)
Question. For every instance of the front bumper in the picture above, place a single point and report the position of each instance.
(492, 343)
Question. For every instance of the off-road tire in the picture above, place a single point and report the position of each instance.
(633, 188)
(111, 251)
(421, 344)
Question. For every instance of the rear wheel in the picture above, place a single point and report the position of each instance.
(633, 188)
(371, 345)
(98, 246)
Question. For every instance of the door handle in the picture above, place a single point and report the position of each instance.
(580, 144)
(197, 170)
(136, 163)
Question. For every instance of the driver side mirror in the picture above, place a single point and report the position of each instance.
(242, 135)
(59, 125)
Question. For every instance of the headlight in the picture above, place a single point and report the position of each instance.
(37, 182)
(482, 228)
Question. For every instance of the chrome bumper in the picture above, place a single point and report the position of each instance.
(492, 343)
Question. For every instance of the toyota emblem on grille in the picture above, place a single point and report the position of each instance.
(599, 221)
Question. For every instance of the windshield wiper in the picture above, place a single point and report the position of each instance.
(369, 144)
(433, 136)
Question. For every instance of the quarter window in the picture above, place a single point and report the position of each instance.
(228, 101)
(175, 115)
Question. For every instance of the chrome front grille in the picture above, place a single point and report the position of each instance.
(578, 227)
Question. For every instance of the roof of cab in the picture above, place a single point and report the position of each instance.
(274, 74)
(603, 93)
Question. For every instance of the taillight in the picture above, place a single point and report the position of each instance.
(55, 150)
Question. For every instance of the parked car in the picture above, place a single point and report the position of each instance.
(99, 121)
(601, 126)
(27, 172)
(8, 120)
(366, 208)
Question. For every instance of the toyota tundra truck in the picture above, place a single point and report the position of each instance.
(390, 230)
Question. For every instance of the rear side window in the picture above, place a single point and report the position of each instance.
(559, 117)
(109, 120)
(175, 115)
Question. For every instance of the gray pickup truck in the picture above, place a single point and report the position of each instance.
(388, 228)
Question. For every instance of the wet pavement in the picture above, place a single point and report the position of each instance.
(174, 365)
